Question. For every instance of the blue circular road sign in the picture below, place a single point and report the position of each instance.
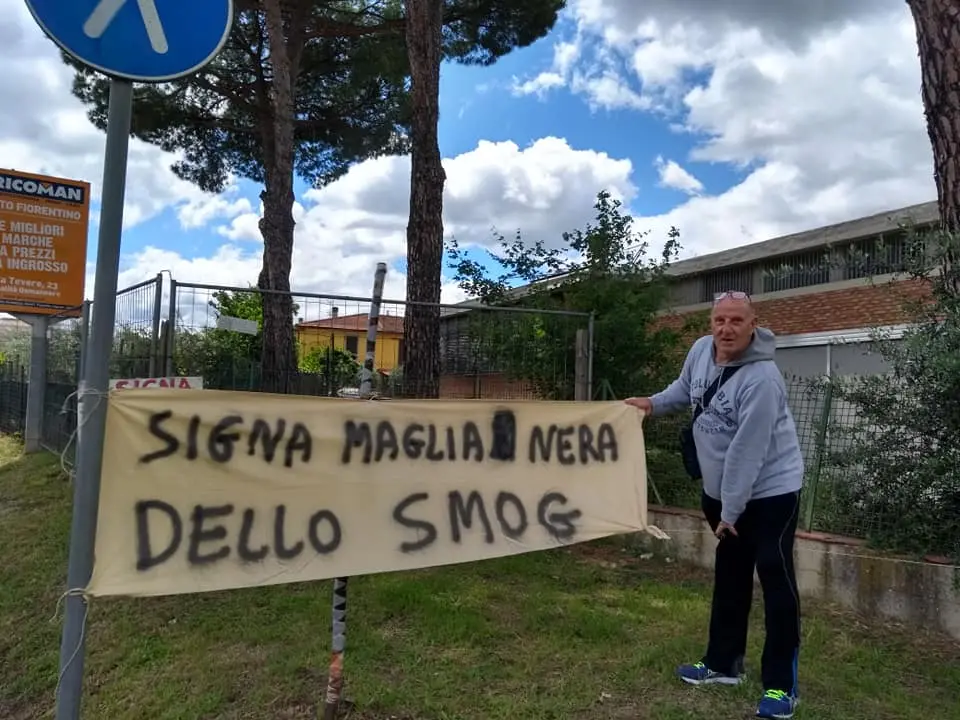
(139, 40)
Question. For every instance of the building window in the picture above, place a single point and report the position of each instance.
(720, 281)
(401, 352)
(882, 255)
(353, 345)
(797, 271)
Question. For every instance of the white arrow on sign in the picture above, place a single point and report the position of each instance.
(106, 10)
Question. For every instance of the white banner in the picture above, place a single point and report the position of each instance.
(209, 490)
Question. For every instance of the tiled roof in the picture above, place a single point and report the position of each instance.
(355, 323)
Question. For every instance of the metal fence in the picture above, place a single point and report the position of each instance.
(66, 335)
(136, 353)
(503, 353)
(13, 396)
(842, 496)
(496, 353)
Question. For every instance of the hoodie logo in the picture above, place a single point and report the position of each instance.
(718, 416)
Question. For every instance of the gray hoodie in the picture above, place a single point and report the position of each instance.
(746, 439)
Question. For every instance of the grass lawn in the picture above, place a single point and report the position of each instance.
(589, 632)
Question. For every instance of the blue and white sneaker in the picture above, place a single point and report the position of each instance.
(700, 674)
(777, 705)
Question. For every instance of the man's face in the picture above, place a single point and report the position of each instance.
(733, 321)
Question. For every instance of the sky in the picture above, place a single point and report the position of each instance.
(734, 120)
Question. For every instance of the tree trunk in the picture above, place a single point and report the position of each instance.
(938, 39)
(278, 359)
(421, 373)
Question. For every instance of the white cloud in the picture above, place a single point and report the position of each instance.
(344, 229)
(792, 95)
(674, 176)
(199, 212)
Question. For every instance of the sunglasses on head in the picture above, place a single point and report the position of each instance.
(733, 295)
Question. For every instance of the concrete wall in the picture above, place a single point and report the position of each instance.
(835, 569)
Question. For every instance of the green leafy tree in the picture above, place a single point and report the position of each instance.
(604, 269)
(335, 368)
(308, 87)
(15, 345)
(224, 358)
(897, 466)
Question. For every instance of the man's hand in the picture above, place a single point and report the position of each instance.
(723, 528)
(643, 403)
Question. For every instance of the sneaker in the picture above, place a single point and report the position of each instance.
(776, 704)
(700, 674)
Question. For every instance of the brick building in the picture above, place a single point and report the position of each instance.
(821, 291)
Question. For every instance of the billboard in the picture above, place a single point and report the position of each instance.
(43, 243)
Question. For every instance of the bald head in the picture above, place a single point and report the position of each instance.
(732, 320)
(732, 302)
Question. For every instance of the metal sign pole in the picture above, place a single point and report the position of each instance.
(93, 405)
(185, 38)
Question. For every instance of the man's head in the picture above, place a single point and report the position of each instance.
(732, 322)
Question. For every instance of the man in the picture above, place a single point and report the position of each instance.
(749, 457)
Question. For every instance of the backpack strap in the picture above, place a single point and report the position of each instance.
(725, 374)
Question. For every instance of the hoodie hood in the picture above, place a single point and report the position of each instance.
(762, 347)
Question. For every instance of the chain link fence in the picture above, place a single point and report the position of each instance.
(14, 362)
(501, 353)
(136, 353)
(490, 353)
(903, 510)
(13, 396)
(66, 335)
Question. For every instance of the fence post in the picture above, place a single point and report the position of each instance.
(335, 674)
(84, 333)
(37, 382)
(373, 319)
(155, 327)
(581, 388)
(590, 345)
(171, 326)
(820, 443)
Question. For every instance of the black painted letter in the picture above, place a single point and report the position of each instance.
(511, 531)
(243, 547)
(198, 534)
(607, 443)
(386, 441)
(279, 546)
(565, 446)
(355, 435)
(220, 443)
(261, 432)
(472, 441)
(300, 440)
(461, 512)
(413, 444)
(156, 429)
(558, 524)
(321, 547)
(428, 528)
(145, 557)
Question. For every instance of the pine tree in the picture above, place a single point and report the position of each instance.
(938, 39)
(309, 87)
